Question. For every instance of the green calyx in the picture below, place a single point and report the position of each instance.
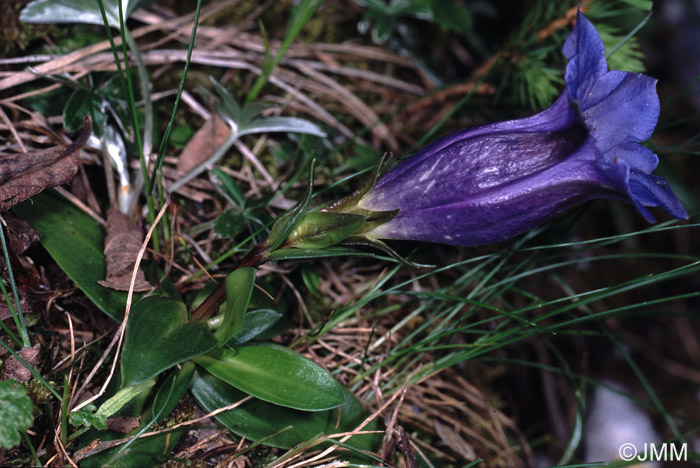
(350, 204)
(321, 229)
(310, 230)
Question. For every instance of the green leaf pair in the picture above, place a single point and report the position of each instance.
(160, 335)
(239, 287)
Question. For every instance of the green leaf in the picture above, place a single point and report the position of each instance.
(80, 104)
(145, 451)
(239, 287)
(75, 242)
(383, 28)
(229, 223)
(248, 112)
(88, 416)
(75, 11)
(277, 375)
(324, 229)
(452, 16)
(281, 124)
(257, 419)
(158, 336)
(256, 322)
(229, 187)
(15, 412)
(170, 392)
(226, 106)
(122, 398)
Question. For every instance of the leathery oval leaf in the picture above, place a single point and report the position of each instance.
(158, 336)
(277, 375)
(257, 419)
(256, 323)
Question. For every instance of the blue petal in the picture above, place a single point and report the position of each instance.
(637, 157)
(621, 107)
(618, 107)
(652, 190)
(586, 54)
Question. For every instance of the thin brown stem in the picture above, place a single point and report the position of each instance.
(256, 257)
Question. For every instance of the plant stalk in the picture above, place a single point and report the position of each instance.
(256, 257)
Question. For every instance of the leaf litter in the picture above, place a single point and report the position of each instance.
(204, 143)
(23, 175)
(122, 246)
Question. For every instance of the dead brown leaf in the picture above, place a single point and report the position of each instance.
(123, 424)
(453, 440)
(204, 143)
(122, 246)
(21, 235)
(23, 175)
(5, 312)
(16, 370)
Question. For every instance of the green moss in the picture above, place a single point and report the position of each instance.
(38, 393)
(185, 410)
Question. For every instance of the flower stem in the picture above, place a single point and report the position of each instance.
(256, 257)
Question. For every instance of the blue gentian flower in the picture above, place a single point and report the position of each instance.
(493, 182)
